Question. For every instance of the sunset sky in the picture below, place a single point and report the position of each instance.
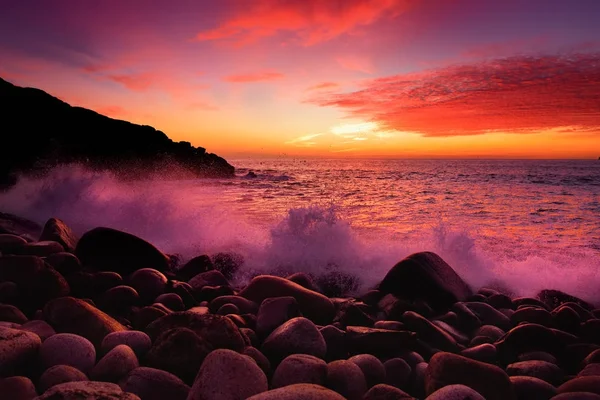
(390, 78)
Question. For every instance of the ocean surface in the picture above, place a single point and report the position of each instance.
(522, 225)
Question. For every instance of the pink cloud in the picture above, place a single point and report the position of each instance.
(356, 63)
(254, 77)
(137, 82)
(324, 86)
(111, 111)
(517, 94)
(311, 21)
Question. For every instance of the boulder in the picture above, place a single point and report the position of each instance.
(488, 315)
(244, 305)
(138, 341)
(171, 300)
(115, 365)
(179, 351)
(347, 379)
(155, 384)
(426, 276)
(534, 315)
(107, 249)
(577, 396)
(300, 368)
(429, 332)
(195, 266)
(208, 279)
(146, 315)
(60, 374)
(149, 283)
(274, 312)
(386, 392)
(217, 330)
(64, 262)
(313, 305)
(303, 280)
(10, 313)
(56, 230)
(86, 390)
(11, 244)
(68, 349)
(40, 249)
(484, 352)
(530, 388)
(18, 350)
(335, 340)
(371, 367)
(527, 337)
(556, 298)
(296, 336)
(260, 359)
(71, 315)
(17, 388)
(39, 327)
(455, 392)
(227, 375)
(361, 340)
(589, 384)
(397, 372)
(300, 391)
(119, 299)
(449, 369)
(543, 370)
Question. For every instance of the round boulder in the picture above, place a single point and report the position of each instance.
(17, 388)
(115, 365)
(300, 368)
(371, 367)
(300, 391)
(60, 374)
(138, 341)
(149, 283)
(68, 349)
(455, 392)
(347, 379)
(86, 390)
(18, 350)
(296, 336)
(155, 384)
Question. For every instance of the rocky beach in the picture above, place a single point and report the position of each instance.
(110, 316)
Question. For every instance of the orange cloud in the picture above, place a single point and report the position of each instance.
(311, 21)
(111, 111)
(517, 94)
(138, 82)
(254, 77)
(356, 63)
(324, 86)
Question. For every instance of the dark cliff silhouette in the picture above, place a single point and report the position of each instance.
(38, 131)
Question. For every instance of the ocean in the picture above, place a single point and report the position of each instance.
(519, 225)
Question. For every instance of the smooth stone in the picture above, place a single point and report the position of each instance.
(531, 388)
(56, 230)
(68, 349)
(488, 315)
(490, 331)
(138, 341)
(195, 266)
(555, 298)
(17, 388)
(335, 340)
(534, 315)
(115, 365)
(261, 360)
(227, 375)
(155, 384)
(275, 311)
(397, 372)
(119, 298)
(300, 368)
(146, 315)
(41, 249)
(371, 367)
(11, 244)
(429, 332)
(179, 351)
(149, 283)
(300, 391)
(313, 305)
(18, 350)
(68, 314)
(448, 369)
(208, 279)
(499, 300)
(361, 340)
(10, 313)
(484, 352)
(39, 327)
(386, 392)
(244, 305)
(455, 392)
(87, 390)
(60, 374)
(590, 370)
(467, 319)
(347, 379)
(65, 263)
(171, 300)
(527, 337)
(218, 330)
(390, 325)
(543, 370)
(298, 335)
(537, 355)
(581, 384)
(577, 396)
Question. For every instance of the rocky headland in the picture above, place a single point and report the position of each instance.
(109, 316)
(40, 131)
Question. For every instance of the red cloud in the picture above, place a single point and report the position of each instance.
(138, 82)
(324, 86)
(254, 77)
(312, 21)
(517, 94)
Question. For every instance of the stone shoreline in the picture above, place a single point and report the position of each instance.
(109, 316)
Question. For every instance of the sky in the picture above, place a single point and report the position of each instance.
(326, 78)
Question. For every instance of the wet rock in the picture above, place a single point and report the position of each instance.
(390, 325)
(18, 350)
(39, 327)
(335, 340)
(397, 372)
(371, 367)
(534, 315)
(529, 301)
(455, 392)
(105, 280)
(300, 368)
(584, 313)
(361, 340)
(209, 293)
(226, 374)
(543, 370)
(275, 311)
(448, 369)
(555, 298)
(262, 361)
(301, 391)
(107, 249)
(211, 279)
(11, 244)
(195, 266)
(303, 280)
(185, 292)
(171, 300)
(589, 384)
(537, 355)
(353, 315)
(60, 374)
(115, 365)
(298, 335)
(499, 301)
(593, 357)
(65, 263)
(491, 331)
(56, 230)
(119, 299)
(219, 331)
(17, 388)
(70, 315)
(40, 249)
(525, 338)
(245, 306)
(68, 349)
(146, 315)
(488, 315)
(347, 379)
(386, 392)
(467, 319)
(155, 384)
(566, 319)
(313, 305)
(428, 277)
(149, 283)
(456, 334)
(418, 380)
(429, 332)
(484, 352)
(138, 341)
(231, 309)
(86, 390)
(179, 351)
(10, 313)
